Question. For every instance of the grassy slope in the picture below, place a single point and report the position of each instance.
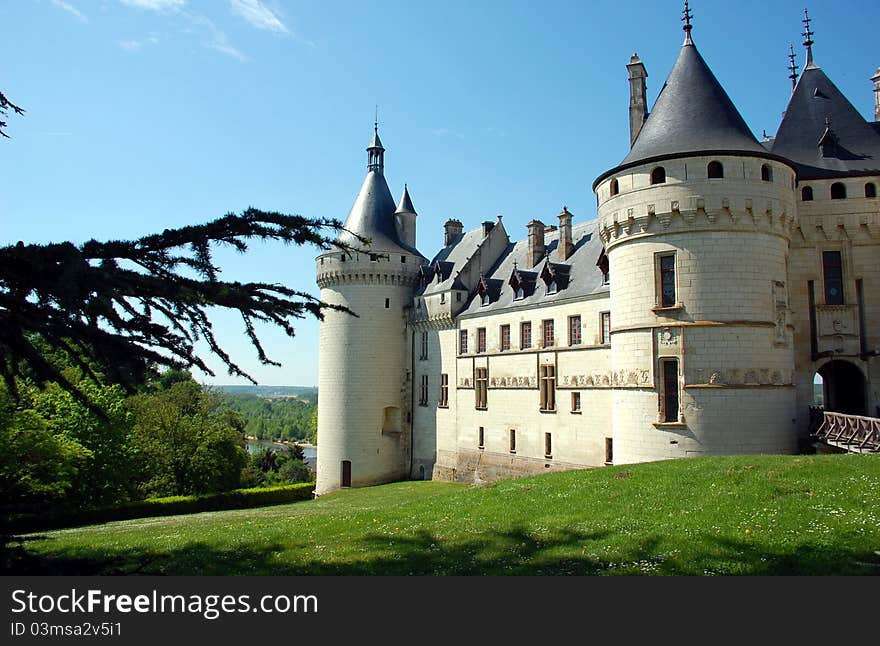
(728, 515)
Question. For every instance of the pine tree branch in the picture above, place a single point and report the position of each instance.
(121, 308)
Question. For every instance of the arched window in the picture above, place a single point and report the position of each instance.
(807, 194)
(658, 175)
(838, 191)
(870, 190)
(766, 173)
(715, 169)
(615, 187)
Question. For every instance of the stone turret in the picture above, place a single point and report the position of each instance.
(696, 212)
(405, 217)
(364, 411)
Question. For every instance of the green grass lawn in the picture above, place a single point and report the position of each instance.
(724, 515)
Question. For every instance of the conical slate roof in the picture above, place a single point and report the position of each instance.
(693, 114)
(819, 113)
(372, 216)
(405, 205)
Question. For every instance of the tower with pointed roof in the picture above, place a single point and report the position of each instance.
(835, 247)
(696, 222)
(364, 409)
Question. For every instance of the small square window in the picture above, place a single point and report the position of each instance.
(575, 402)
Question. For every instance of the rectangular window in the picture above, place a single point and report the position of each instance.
(505, 337)
(387, 303)
(609, 450)
(462, 342)
(548, 388)
(481, 387)
(481, 339)
(525, 335)
(547, 333)
(548, 445)
(605, 333)
(423, 391)
(575, 402)
(512, 440)
(669, 390)
(424, 353)
(832, 270)
(481, 438)
(667, 280)
(574, 330)
(444, 391)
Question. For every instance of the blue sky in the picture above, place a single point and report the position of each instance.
(149, 114)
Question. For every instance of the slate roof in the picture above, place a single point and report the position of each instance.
(583, 276)
(372, 216)
(405, 205)
(855, 142)
(451, 260)
(692, 115)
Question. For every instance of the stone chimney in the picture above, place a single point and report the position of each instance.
(638, 100)
(566, 246)
(487, 227)
(453, 229)
(876, 79)
(536, 242)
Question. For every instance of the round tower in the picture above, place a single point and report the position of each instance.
(696, 223)
(363, 378)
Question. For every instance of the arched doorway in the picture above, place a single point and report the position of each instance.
(843, 387)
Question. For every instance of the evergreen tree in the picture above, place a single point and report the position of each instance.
(122, 308)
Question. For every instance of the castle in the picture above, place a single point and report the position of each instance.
(690, 317)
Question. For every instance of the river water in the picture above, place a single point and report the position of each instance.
(310, 452)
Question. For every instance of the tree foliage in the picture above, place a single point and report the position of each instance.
(187, 441)
(120, 308)
(5, 106)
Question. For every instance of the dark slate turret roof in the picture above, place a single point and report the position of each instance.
(405, 205)
(372, 216)
(855, 142)
(692, 115)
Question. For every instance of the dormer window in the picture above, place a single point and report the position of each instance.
(658, 175)
(520, 293)
(551, 287)
(484, 298)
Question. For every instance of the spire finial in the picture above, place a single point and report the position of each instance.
(686, 18)
(376, 121)
(808, 38)
(792, 67)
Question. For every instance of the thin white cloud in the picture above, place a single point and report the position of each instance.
(258, 15)
(155, 5)
(220, 42)
(129, 45)
(446, 132)
(69, 8)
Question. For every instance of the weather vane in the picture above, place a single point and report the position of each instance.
(686, 17)
(792, 66)
(808, 36)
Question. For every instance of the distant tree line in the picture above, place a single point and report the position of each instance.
(285, 419)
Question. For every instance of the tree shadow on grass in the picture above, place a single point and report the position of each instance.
(517, 551)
